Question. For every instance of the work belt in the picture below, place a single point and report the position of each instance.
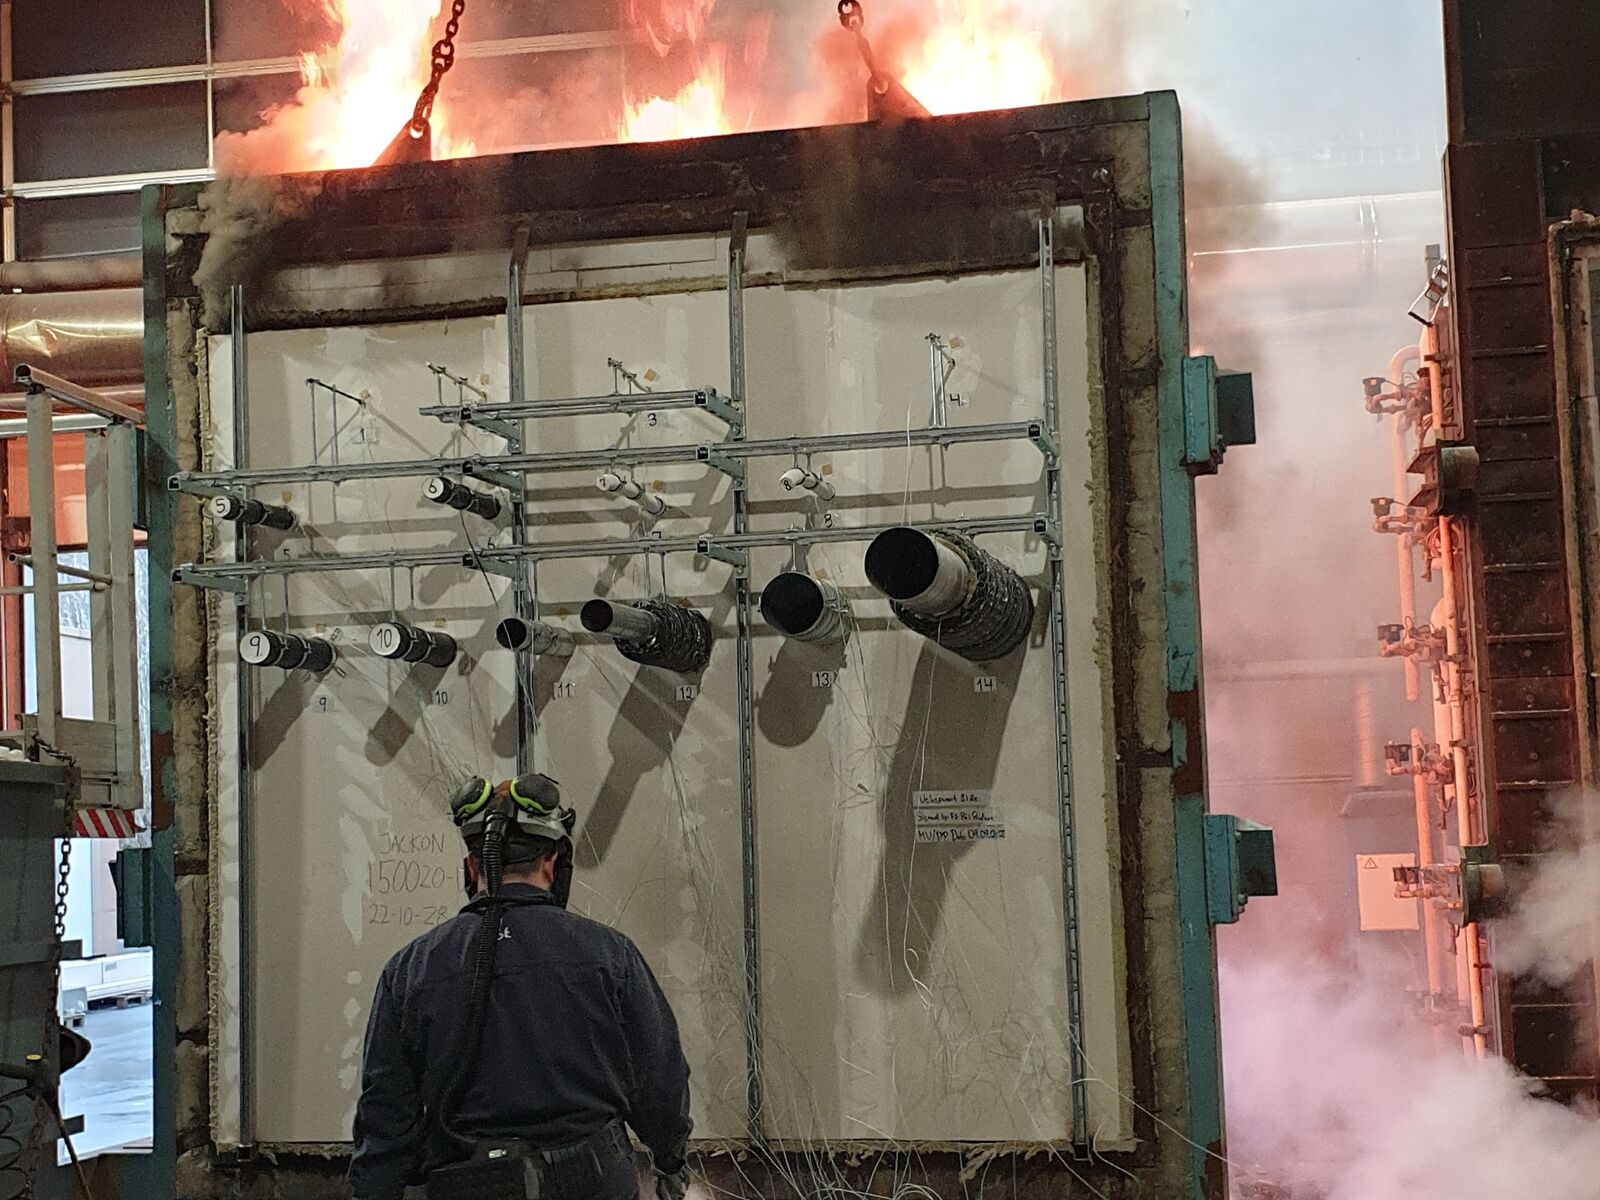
(514, 1170)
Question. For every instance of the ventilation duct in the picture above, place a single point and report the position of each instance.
(653, 633)
(805, 608)
(951, 592)
(95, 339)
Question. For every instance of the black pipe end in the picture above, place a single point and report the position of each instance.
(513, 634)
(597, 616)
(902, 563)
(792, 604)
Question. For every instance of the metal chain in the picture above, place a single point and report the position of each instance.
(444, 57)
(49, 1045)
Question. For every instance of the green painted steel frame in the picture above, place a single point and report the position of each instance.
(1198, 963)
(154, 1176)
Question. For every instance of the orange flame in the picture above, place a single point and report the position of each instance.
(699, 110)
(975, 56)
(355, 94)
(666, 23)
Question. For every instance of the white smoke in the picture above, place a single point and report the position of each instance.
(1336, 1091)
(1553, 930)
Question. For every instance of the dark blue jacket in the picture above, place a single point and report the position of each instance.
(578, 1034)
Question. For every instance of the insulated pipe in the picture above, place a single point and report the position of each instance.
(653, 633)
(95, 339)
(621, 622)
(918, 571)
(88, 272)
(947, 589)
(804, 608)
(286, 651)
(407, 643)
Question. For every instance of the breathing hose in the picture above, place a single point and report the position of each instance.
(485, 949)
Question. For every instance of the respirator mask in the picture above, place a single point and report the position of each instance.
(529, 806)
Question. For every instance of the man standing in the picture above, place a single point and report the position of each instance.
(564, 1037)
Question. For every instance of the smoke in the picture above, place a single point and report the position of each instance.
(1553, 930)
(1335, 1086)
(239, 217)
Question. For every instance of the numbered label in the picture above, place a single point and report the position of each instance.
(985, 685)
(687, 692)
(824, 679)
(827, 520)
(565, 690)
(322, 704)
(441, 697)
(652, 419)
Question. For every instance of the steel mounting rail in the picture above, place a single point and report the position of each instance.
(702, 453)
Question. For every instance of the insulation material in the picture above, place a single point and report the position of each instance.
(909, 992)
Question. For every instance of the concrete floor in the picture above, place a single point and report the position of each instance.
(112, 1089)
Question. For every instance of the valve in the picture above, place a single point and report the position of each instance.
(407, 643)
(286, 651)
(459, 496)
(247, 511)
(1423, 643)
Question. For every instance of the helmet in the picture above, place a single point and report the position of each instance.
(530, 805)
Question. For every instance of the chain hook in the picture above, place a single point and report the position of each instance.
(443, 57)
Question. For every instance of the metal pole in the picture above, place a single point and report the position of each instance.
(744, 671)
(523, 600)
(121, 505)
(244, 717)
(1059, 647)
(46, 599)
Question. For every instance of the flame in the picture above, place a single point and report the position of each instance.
(668, 23)
(356, 93)
(699, 110)
(975, 56)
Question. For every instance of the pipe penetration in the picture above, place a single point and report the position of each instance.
(653, 633)
(804, 608)
(944, 587)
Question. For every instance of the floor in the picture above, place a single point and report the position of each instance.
(112, 1089)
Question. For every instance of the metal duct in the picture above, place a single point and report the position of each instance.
(534, 637)
(653, 633)
(805, 608)
(951, 592)
(89, 272)
(95, 339)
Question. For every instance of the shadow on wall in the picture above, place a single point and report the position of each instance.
(951, 738)
(646, 727)
(798, 702)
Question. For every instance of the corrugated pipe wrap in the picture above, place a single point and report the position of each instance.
(944, 587)
(653, 633)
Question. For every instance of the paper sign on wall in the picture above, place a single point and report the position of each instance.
(956, 816)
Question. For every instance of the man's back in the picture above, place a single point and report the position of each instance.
(577, 1036)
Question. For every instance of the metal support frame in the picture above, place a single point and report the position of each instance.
(523, 599)
(744, 671)
(1059, 648)
(719, 455)
(499, 416)
(228, 576)
(244, 718)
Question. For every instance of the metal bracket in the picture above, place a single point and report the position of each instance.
(494, 566)
(1041, 437)
(1050, 531)
(739, 560)
(474, 468)
(717, 461)
(189, 487)
(1241, 862)
(500, 429)
(191, 576)
(719, 408)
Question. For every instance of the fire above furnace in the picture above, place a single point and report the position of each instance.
(357, 90)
